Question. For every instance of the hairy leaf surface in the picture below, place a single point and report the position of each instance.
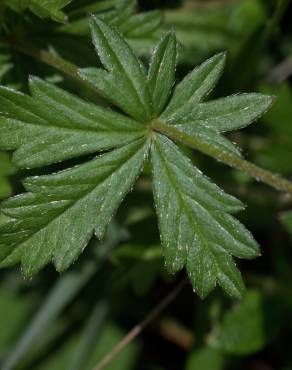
(196, 229)
(124, 80)
(194, 87)
(206, 120)
(55, 220)
(161, 73)
(59, 213)
(53, 125)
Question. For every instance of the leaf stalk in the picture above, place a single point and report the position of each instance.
(232, 160)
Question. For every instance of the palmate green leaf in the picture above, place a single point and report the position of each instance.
(53, 125)
(42, 8)
(60, 212)
(55, 220)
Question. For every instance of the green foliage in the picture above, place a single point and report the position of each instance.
(42, 8)
(109, 335)
(249, 326)
(205, 358)
(141, 29)
(68, 126)
(197, 230)
(195, 227)
(123, 82)
(202, 31)
(75, 202)
(138, 265)
(276, 146)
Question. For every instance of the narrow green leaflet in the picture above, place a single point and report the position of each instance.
(227, 114)
(206, 120)
(55, 220)
(194, 87)
(42, 8)
(161, 73)
(57, 216)
(196, 229)
(53, 125)
(124, 82)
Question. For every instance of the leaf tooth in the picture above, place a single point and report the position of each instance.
(61, 235)
(125, 73)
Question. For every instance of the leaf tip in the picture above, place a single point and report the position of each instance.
(274, 98)
(221, 57)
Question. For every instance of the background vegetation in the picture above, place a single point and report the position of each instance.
(71, 321)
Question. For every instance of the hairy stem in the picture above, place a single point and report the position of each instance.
(141, 326)
(231, 160)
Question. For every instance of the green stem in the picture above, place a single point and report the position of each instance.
(137, 329)
(231, 160)
(53, 60)
(45, 57)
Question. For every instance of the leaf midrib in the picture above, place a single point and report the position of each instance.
(78, 129)
(183, 202)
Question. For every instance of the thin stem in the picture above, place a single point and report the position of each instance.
(45, 57)
(231, 160)
(53, 60)
(141, 326)
(273, 23)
